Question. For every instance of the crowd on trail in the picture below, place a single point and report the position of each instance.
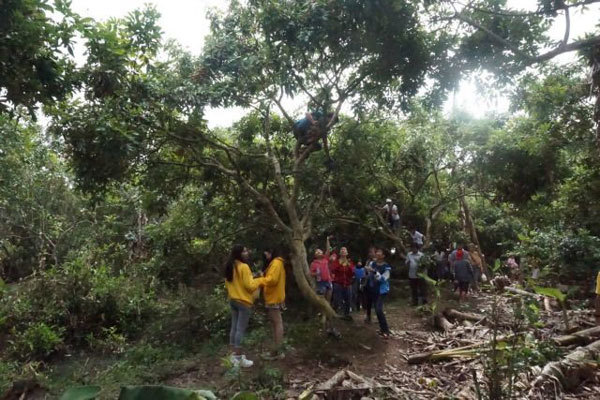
(350, 285)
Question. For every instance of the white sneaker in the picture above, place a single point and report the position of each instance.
(244, 362)
(235, 360)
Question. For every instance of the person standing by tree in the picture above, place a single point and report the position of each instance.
(319, 269)
(417, 284)
(241, 287)
(342, 269)
(274, 292)
(381, 274)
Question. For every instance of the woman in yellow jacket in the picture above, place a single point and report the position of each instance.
(274, 294)
(241, 286)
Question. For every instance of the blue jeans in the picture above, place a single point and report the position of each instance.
(240, 315)
(383, 325)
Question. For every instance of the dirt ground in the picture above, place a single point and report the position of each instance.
(363, 351)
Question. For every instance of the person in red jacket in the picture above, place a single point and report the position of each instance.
(342, 271)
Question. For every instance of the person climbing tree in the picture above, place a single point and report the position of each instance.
(314, 127)
(391, 214)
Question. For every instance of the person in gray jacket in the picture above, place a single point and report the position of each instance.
(463, 273)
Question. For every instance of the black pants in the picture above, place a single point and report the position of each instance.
(370, 299)
(383, 325)
(342, 297)
(418, 287)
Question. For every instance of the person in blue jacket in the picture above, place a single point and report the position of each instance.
(380, 270)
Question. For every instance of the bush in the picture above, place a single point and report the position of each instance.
(560, 255)
(87, 302)
(37, 341)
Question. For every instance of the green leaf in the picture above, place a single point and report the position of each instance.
(163, 393)
(428, 279)
(550, 292)
(81, 393)
(244, 396)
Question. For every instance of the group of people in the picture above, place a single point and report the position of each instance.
(348, 286)
(351, 286)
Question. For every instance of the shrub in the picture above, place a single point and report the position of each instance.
(37, 341)
(88, 302)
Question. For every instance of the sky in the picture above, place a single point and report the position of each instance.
(186, 22)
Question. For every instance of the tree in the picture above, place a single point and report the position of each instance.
(36, 52)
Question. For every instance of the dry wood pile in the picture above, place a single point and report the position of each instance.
(452, 362)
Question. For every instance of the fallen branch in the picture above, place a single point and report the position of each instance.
(463, 316)
(523, 292)
(567, 373)
(442, 323)
(468, 351)
(582, 337)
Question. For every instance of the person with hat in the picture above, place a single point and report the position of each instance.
(391, 214)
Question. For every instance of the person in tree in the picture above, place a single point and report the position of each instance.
(417, 238)
(380, 271)
(463, 273)
(241, 288)
(342, 269)
(417, 284)
(391, 214)
(370, 284)
(312, 128)
(274, 293)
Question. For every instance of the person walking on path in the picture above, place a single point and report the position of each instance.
(381, 271)
(274, 293)
(342, 269)
(463, 273)
(417, 284)
(241, 287)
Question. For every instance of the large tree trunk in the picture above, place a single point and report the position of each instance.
(302, 275)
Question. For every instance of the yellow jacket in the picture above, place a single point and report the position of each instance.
(275, 282)
(243, 285)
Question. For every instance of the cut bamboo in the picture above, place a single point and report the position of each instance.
(581, 337)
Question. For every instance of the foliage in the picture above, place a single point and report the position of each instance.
(36, 52)
(560, 255)
(37, 341)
